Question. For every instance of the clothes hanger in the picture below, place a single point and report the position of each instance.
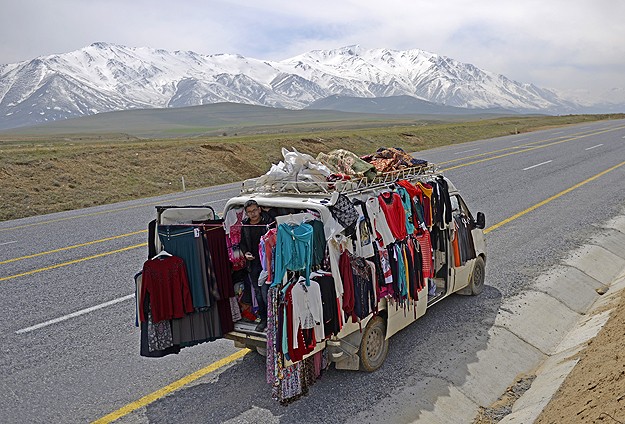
(162, 253)
(291, 220)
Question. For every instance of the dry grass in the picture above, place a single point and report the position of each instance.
(40, 175)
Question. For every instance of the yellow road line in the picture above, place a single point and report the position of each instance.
(517, 150)
(75, 261)
(554, 197)
(146, 400)
(111, 210)
(60, 249)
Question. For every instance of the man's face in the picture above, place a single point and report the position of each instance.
(253, 212)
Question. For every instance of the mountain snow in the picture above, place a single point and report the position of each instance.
(106, 77)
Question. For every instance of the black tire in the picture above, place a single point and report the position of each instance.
(262, 351)
(374, 345)
(476, 285)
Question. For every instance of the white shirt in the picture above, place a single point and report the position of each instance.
(307, 309)
(378, 220)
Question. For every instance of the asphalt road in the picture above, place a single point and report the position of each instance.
(69, 347)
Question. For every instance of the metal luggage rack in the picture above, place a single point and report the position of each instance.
(312, 188)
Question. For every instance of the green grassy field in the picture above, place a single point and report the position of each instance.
(49, 173)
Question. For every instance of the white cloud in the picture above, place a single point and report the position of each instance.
(560, 44)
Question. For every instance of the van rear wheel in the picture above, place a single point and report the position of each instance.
(374, 345)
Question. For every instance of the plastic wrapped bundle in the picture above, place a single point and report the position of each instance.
(342, 161)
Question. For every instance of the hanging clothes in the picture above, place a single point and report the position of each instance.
(215, 236)
(293, 250)
(463, 240)
(345, 213)
(148, 347)
(364, 293)
(384, 271)
(347, 278)
(330, 303)
(181, 241)
(164, 279)
(307, 310)
(425, 246)
(233, 224)
(266, 251)
(336, 246)
(364, 233)
(406, 201)
(319, 243)
(394, 212)
(425, 197)
(441, 203)
(197, 327)
(155, 343)
(378, 221)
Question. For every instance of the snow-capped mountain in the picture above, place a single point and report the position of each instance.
(106, 77)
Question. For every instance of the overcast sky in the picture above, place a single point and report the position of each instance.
(561, 44)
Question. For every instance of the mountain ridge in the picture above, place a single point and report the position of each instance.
(105, 77)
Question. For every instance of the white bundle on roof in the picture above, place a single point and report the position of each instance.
(299, 171)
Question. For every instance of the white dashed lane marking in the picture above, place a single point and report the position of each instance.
(74, 314)
(534, 166)
(590, 148)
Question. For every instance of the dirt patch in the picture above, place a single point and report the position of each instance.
(218, 148)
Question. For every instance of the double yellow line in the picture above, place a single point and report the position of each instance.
(75, 261)
(72, 247)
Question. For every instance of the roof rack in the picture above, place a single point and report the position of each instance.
(311, 188)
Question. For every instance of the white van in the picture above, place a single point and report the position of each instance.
(364, 345)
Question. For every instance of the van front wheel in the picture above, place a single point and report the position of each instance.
(374, 345)
(477, 277)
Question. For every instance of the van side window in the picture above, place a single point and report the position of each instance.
(455, 207)
(458, 206)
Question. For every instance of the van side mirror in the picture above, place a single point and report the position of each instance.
(481, 221)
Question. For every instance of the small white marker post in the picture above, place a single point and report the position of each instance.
(183, 186)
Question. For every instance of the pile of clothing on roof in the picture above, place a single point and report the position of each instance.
(392, 159)
(302, 172)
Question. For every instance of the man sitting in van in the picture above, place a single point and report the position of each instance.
(254, 226)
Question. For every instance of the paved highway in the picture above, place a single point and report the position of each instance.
(69, 348)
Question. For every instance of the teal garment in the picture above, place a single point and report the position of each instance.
(407, 204)
(285, 342)
(294, 247)
(181, 241)
(319, 242)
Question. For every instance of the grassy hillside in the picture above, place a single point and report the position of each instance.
(42, 174)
